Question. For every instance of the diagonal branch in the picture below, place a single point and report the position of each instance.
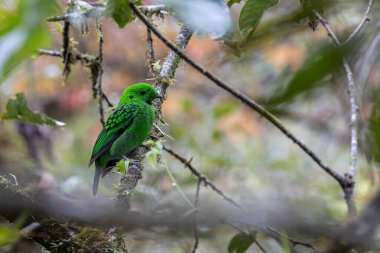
(195, 227)
(362, 22)
(200, 176)
(242, 97)
(208, 183)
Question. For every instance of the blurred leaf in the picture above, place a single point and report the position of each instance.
(205, 16)
(18, 109)
(371, 143)
(120, 11)
(22, 31)
(231, 2)
(217, 135)
(151, 157)
(240, 243)
(251, 14)
(80, 13)
(279, 26)
(122, 166)
(9, 17)
(224, 109)
(308, 7)
(8, 235)
(154, 154)
(316, 67)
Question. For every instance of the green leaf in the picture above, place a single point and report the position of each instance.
(231, 2)
(154, 154)
(120, 11)
(316, 67)
(9, 17)
(252, 13)
(240, 243)
(308, 7)
(8, 235)
(122, 166)
(370, 133)
(22, 31)
(18, 109)
(224, 109)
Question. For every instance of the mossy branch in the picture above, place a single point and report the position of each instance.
(135, 168)
(56, 234)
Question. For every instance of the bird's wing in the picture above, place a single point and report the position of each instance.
(116, 124)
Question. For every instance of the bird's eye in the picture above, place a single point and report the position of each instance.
(130, 97)
(142, 92)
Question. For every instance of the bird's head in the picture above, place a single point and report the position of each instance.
(140, 91)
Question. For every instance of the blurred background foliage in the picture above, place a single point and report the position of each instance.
(278, 60)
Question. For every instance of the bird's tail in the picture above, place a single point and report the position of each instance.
(98, 172)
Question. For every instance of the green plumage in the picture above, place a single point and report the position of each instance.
(126, 128)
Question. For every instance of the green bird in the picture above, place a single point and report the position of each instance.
(126, 128)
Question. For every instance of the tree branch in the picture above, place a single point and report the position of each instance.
(135, 168)
(151, 58)
(201, 177)
(208, 183)
(294, 242)
(55, 234)
(98, 73)
(147, 9)
(349, 183)
(362, 22)
(86, 59)
(83, 58)
(195, 227)
(242, 97)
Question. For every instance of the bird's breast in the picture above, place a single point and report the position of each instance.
(136, 133)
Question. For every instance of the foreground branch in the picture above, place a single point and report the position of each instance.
(53, 232)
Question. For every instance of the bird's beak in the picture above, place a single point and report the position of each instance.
(159, 97)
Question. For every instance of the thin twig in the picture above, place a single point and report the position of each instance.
(207, 182)
(83, 58)
(107, 100)
(154, 9)
(57, 18)
(349, 184)
(250, 234)
(237, 94)
(86, 59)
(196, 201)
(66, 54)
(362, 22)
(147, 9)
(200, 176)
(260, 246)
(293, 241)
(100, 72)
(151, 59)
